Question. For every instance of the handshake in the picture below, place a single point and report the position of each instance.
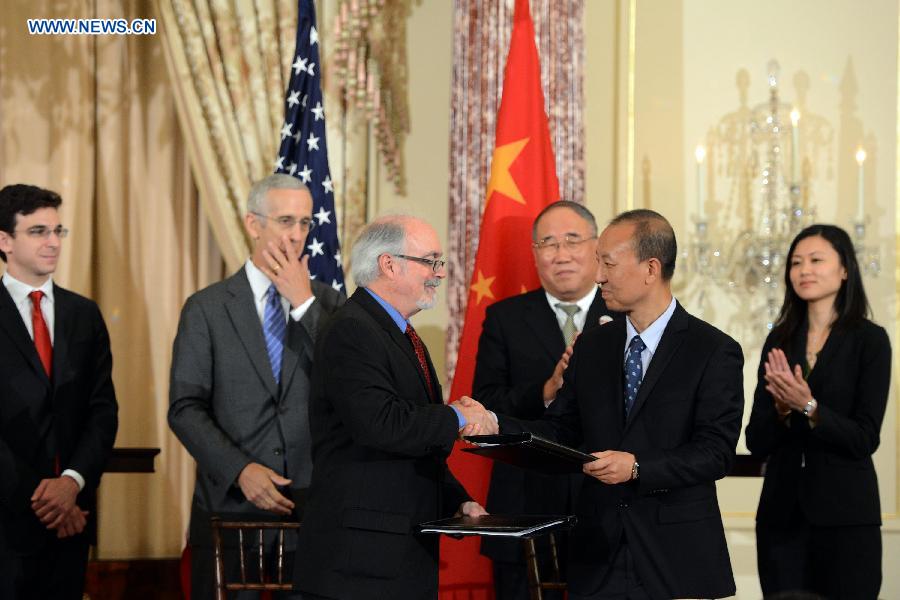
(479, 420)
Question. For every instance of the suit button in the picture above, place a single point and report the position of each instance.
(623, 504)
(278, 451)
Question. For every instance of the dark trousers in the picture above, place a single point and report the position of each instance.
(621, 582)
(837, 562)
(57, 572)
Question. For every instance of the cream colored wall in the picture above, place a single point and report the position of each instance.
(658, 74)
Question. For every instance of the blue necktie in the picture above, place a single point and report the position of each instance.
(274, 328)
(634, 371)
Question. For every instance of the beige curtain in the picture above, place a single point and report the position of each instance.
(229, 63)
(94, 118)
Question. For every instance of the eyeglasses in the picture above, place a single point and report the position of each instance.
(436, 264)
(288, 222)
(549, 245)
(42, 231)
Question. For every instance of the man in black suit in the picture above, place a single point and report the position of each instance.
(381, 432)
(58, 414)
(525, 346)
(659, 396)
(240, 376)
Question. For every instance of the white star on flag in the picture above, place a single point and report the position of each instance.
(312, 142)
(323, 215)
(294, 98)
(337, 285)
(315, 249)
(309, 70)
(337, 258)
(329, 187)
(286, 131)
(318, 111)
(299, 65)
(306, 174)
(296, 136)
(293, 168)
(313, 37)
(279, 164)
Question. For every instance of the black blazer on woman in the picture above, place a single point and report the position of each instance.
(826, 469)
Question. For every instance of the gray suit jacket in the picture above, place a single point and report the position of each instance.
(224, 404)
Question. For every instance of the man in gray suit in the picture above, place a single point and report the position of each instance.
(241, 369)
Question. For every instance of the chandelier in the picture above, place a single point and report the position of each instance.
(747, 257)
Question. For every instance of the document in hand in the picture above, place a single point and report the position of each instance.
(513, 526)
(529, 451)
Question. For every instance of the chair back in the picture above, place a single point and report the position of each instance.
(254, 536)
(536, 583)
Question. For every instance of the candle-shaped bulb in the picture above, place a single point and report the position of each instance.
(700, 154)
(795, 117)
(860, 156)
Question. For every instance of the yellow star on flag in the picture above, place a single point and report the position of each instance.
(501, 180)
(482, 287)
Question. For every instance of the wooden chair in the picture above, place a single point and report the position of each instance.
(261, 582)
(536, 585)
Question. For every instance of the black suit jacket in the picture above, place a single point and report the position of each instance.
(73, 415)
(379, 463)
(683, 429)
(520, 344)
(837, 486)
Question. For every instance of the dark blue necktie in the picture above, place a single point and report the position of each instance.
(274, 328)
(634, 371)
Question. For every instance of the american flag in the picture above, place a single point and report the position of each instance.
(303, 152)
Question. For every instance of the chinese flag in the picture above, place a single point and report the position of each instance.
(523, 181)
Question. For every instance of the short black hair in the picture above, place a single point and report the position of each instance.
(653, 238)
(23, 199)
(579, 209)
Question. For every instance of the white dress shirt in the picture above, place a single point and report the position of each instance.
(581, 316)
(259, 283)
(19, 291)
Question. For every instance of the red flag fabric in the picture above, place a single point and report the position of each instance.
(523, 181)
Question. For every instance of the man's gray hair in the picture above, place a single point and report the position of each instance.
(386, 235)
(579, 209)
(256, 199)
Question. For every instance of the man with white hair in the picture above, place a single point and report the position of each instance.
(381, 432)
(241, 370)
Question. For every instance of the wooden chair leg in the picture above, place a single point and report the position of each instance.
(219, 561)
(531, 566)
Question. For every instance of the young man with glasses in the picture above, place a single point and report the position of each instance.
(525, 345)
(241, 369)
(58, 416)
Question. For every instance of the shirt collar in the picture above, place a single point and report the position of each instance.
(653, 333)
(395, 315)
(259, 283)
(19, 290)
(584, 303)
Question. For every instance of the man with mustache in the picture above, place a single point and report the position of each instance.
(381, 432)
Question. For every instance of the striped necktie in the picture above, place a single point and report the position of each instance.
(274, 328)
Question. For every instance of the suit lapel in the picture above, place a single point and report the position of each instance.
(11, 322)
(62, 324)
(242, 312)
(597, 310)
(295, 344)
(371, 306)
(541, 319)
(671, 339)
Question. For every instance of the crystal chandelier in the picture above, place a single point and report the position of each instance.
(751, 262)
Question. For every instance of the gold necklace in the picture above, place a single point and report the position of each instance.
(813, 347)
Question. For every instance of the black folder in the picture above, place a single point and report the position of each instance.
(529, 451)
(512, 526)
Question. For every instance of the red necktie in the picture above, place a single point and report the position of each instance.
(419, 347)
(41, 333)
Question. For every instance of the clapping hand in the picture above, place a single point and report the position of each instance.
(787, 386)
